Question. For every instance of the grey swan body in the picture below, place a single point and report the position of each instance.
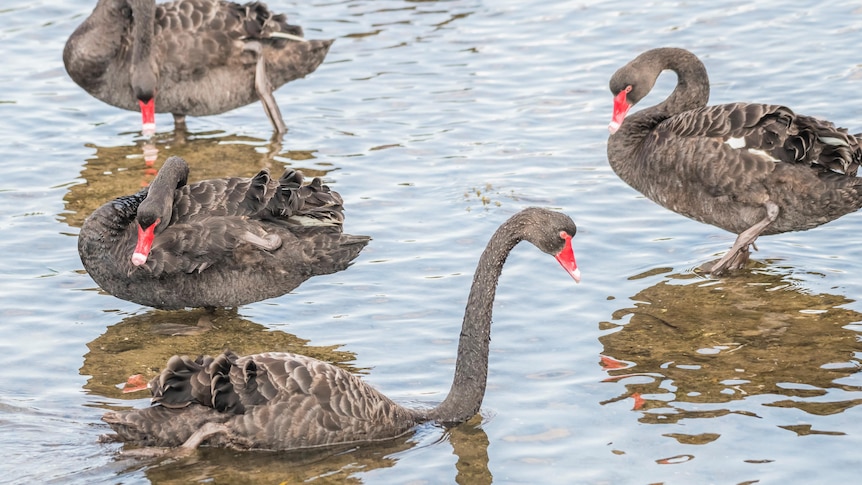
(194, 57)
(751, 169)
(216, 243)
(285, 401)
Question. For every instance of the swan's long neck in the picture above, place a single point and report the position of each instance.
(94, 43)
(692, 87)
(160, 199)
(143, 29)
(471, 366)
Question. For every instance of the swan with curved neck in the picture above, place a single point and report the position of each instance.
(188, 57)
(286, 401)
(751, 169)
(215, 243)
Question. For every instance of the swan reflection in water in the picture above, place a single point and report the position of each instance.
(120, 170)
(141, 344)
(694, 341)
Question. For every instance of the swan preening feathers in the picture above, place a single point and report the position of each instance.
(215, 243)
(188, 57)
(751, 169)
(282, 401)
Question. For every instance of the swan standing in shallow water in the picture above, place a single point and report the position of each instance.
(751, 169)
(215, 243)
(283, 401)
(188, 57)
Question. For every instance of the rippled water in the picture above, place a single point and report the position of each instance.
(436, 120)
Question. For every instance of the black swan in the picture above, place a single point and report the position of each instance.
(284, 401)
(751, 169)
(190, 57)
(215, 243)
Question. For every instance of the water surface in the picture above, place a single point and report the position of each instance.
(437, 120)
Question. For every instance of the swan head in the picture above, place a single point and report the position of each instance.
(551, 232)
(630, 84)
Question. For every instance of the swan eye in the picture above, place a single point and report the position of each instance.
(628, 88)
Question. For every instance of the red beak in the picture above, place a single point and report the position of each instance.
(148, 113)
(145, 243)
(621, 108)
(566, 257)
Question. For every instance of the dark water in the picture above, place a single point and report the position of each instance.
(436, 120)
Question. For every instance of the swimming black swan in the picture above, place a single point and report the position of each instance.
(215, 243)
(283, 401)
(189, 57)
(751, 169)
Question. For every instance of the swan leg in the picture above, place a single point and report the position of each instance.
(270, 242)
(179, 121)
(264, 89)
(198, 437)
(738, 254)
(191, 444)
(180, 129)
